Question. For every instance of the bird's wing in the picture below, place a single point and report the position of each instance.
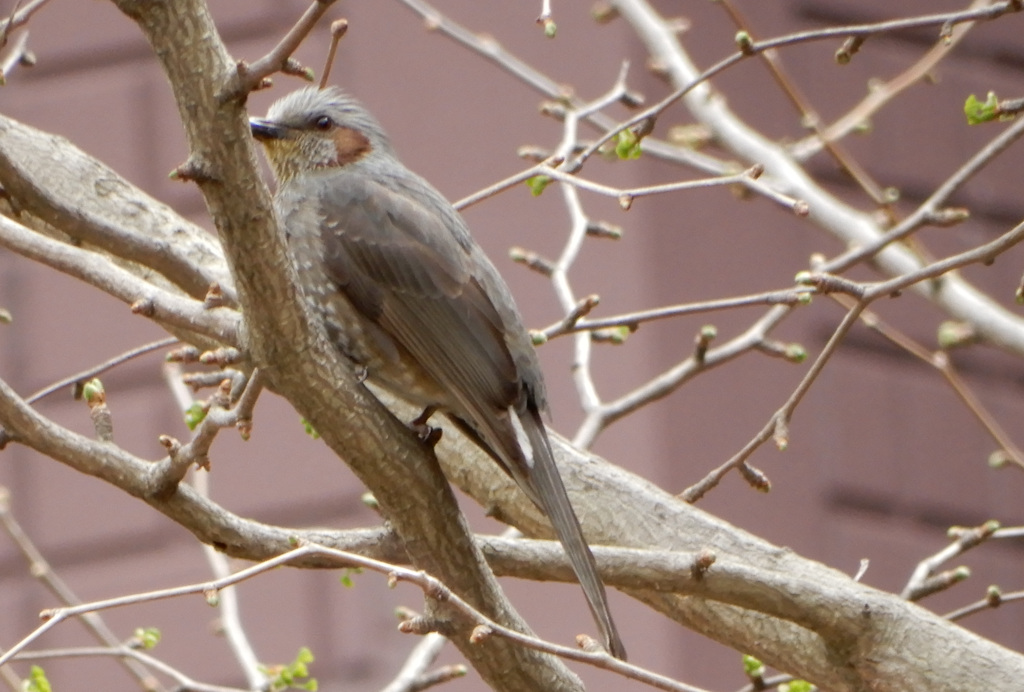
(402, 267)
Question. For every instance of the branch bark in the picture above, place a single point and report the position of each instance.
(95, 206)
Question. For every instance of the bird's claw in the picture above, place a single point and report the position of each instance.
(428, 434)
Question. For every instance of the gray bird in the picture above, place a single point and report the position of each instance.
(406, 293)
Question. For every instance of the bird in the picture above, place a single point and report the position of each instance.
(407, 294)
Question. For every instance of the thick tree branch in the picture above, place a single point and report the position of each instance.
(91, 203)
(182, 315)
(842, 635)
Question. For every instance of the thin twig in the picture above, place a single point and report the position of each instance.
(102, 367)
(779, 422)
(138, 657)
(995, 324)
(986, 604)
(250, 77)
(14, 56)
(620, 193)
(485, 46)
(220, 414)
(670, 380)
(339, 28)
(228, 605)
(423, 655)
(965, 540)
(11, 679)
(633, 319)
(501, 186)
(21, 16)
(926, 211)
(881, 94)
(941, 361)
(430, 586)
(55, 616)
(487, 627)
(808, 115)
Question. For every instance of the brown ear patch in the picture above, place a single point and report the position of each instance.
(351, 145)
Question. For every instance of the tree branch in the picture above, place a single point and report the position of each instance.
(186, 316)
(91, 203)
(959, 299)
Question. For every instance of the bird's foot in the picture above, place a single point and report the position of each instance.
(428, 434)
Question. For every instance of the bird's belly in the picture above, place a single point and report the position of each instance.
(366, 344)
(386, 363)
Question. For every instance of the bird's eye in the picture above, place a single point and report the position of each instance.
(323, 123)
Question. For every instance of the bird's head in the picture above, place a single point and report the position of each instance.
(317, 130)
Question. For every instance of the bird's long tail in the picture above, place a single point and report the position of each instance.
(554, 501)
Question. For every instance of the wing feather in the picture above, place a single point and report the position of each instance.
(401, 267)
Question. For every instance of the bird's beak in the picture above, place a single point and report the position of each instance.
(266, 129)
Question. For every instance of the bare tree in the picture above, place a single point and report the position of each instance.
(234, 306)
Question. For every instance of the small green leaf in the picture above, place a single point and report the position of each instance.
(953, 334)
(147, 637)
(627, 145)
(286, 676)
(5, 316)
(752, 667)
(744, 42)
(36, 681)
(981, 112)
(796, 686)
(998, 459)
(614, 335)
(795, 353)
(346, 576)
(310, 430)
(194, 415)
(537, 184)
(92, 391)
